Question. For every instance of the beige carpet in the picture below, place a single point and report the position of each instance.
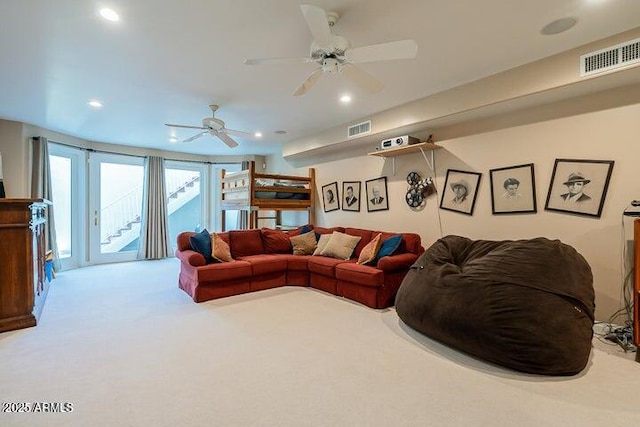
(126, 347)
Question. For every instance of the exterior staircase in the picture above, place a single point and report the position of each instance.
(121, 218)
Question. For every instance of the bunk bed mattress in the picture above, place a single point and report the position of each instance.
(279, 194)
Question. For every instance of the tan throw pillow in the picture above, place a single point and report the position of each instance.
(304, 244)
(340, 245)
(322, 243)
(220, 249)
(369, 252)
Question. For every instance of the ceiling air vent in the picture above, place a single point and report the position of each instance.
(610, 58)
(359, 129)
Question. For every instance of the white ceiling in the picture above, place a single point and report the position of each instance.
(166, 61)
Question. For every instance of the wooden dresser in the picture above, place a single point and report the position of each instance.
(23, 286)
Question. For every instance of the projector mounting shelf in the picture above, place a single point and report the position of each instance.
(409, 149)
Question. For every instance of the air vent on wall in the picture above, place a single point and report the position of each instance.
(610, 58)
(359, 129)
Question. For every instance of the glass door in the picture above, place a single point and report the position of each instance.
(68, 187)
(115, 201)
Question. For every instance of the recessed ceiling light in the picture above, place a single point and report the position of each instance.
(173, 139)
(95, 104)
(558, 26)
(258, 134)
(109, 14)
(345, 99)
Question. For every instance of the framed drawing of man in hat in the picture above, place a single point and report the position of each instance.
(460, 191)
(579, 186)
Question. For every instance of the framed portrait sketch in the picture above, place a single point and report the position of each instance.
(579, 186)
(513, 189)
(460, 191)
(351, 196)
(330, 197)
(376, 192)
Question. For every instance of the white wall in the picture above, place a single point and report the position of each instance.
(15, 155)
(606, 135)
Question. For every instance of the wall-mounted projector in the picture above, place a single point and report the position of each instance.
(399, 141)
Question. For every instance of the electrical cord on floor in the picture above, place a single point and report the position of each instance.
(617, 335)
(623, 335)
(627, 273)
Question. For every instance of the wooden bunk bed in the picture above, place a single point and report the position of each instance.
(251, 191)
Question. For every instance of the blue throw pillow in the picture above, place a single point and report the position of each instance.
(306, 228)
(389, 246)
(201, 243)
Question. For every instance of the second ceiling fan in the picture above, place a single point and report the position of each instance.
(334, 54)
(214, 127)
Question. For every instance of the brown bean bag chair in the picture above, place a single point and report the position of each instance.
(525, 304)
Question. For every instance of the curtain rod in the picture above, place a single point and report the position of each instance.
(93, 150)
(90, 150)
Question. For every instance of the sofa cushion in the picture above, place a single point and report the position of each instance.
(323, 239)
(300, 230)
(411, 242)
(363, 275)
(325, 266)
(267, 263)
(245, 243)
(389, 246)
(323, 230)
(182, 242)
(297, 262)
(370, 251)
(340, 246)
(275, 241)
(365, 238)
(220, 249)
(224, 236)
(201, 243)
(304, 244)
(224, 272)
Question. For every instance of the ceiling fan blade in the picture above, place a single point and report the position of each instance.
(184, 126)
(402, 49)
(318, 25)
(225, 138)
(269, 61)
(311, 80)
(196, 136)
(362, 78)
(248, 135)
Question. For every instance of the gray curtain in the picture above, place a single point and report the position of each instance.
(243, 216)
(41, 189)
(154, 232)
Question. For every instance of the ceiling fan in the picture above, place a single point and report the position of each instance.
(214, 127)
(335, 56)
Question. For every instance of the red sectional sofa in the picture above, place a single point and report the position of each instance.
(263, 259)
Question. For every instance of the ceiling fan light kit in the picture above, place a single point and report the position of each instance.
(334, 55)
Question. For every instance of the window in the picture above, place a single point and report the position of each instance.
(185, 185)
